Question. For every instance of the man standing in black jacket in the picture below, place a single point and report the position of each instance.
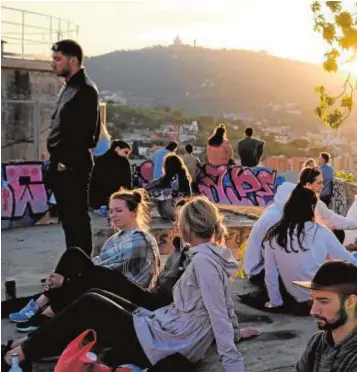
(74, 132)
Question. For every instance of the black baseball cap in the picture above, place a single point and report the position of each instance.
(69, 48)
(335, 276)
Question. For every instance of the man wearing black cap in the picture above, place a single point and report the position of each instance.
(74, 131)
(334, 295)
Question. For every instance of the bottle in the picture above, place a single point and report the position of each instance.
(89, 360)
(10, 289)
(103, 211)
(15, 363)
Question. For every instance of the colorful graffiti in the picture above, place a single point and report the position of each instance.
(238, 185)
(225, 184)
(24, 198)
(142, 173)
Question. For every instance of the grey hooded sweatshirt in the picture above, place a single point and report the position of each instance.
(322, 355)
(202, 311)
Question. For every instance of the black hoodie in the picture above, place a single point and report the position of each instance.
(111, 171)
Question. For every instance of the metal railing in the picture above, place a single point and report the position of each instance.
(27, 34)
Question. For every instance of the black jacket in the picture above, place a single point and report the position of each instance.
(111, 171)
(75, 123)
(250, 150)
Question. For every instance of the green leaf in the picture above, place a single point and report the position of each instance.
(318, 111)
(329, 32)
(316, 6)
(330, 65)
(347, 101)
(344, 20)
(335, 6)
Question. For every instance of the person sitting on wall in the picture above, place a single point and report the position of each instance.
(111, 172)
(201, 311)
(159, 156)
(219, 149)
(250, 149)
(130, 254)
(193, 165)
(327, 174)
(310, 163)
(175, 183)
(294, 248)
(334, 309)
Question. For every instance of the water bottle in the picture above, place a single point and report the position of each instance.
(103, 211)
(15, 363)
(89, 360)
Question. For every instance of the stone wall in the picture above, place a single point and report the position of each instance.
(33, 85)
(343, 196)
(165, 235)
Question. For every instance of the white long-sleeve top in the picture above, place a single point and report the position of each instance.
(320, 243)
(332, 220)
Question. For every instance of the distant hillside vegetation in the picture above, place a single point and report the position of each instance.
(208, 81)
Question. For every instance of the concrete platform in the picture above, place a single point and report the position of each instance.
(278, 348)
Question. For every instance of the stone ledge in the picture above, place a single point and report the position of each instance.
(26, 64)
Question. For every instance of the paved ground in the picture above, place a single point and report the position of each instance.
(29, 253)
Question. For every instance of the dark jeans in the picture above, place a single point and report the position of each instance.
(259, 298)
(81, 275)
(109, 315)
(70, 188)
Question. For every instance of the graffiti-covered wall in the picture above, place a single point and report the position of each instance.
(239, 185)
(24, 198)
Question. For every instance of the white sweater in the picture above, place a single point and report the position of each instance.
(320, 243)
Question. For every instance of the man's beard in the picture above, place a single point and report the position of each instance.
(65, 72)
(339, 321)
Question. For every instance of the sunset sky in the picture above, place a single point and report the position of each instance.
(281, 27)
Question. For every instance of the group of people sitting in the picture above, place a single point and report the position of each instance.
(290, 241)
(142, 316)
(220, 152)
(173, 176)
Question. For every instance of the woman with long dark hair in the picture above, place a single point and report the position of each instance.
(294, 248)
(175, 183)
(311, 178)
(219, 149)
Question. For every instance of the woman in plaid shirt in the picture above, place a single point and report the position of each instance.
(131, 253)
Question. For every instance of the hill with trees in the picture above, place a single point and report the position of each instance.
(213, 82)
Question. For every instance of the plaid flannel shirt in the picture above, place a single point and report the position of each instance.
(133, 253)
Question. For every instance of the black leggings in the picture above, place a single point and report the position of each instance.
(109, 315)
(340, 235)
(260, 297)
(81, 275)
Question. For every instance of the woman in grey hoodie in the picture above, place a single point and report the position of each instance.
(202, 309)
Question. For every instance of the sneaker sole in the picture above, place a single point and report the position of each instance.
(27, 329)
(18, 321)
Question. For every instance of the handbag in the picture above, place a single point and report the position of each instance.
(77, 356)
